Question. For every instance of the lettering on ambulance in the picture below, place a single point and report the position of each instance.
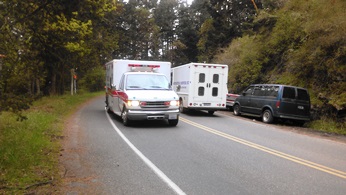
(181, 84)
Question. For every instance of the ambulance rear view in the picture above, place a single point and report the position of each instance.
(201, 86)
(140, 90)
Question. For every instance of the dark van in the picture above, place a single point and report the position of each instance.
(270, 101)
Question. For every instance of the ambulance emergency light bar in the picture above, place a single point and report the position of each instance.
(143, 67)
(209, 66)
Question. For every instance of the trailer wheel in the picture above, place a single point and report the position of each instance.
(181, 107)
(126, 120)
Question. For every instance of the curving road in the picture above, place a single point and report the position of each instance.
(203, 154)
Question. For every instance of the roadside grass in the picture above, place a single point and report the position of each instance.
(29, 149)
(327, 125)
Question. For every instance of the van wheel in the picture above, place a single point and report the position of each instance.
(126, 120)
(236, 109)
(267, 116)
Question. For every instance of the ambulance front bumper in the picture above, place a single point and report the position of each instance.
(153, 115)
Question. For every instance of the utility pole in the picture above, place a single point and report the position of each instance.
(73, 82)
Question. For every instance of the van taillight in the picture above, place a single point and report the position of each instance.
(278, 104)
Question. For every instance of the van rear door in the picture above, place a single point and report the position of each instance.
(303, 104)
(288, 101)
(295, 103)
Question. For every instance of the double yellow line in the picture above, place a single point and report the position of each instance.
(307, 163)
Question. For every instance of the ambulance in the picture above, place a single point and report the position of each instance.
(201, 86)
(140, 90)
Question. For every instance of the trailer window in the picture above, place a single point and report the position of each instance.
(200, 91)
(215, 91)
(215, 78)
(201, 78)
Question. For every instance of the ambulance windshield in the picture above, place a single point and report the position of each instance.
(147, 82)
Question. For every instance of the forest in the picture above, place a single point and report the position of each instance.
(291, 42)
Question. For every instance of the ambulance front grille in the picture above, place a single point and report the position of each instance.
(159, 104)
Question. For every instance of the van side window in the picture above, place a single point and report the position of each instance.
(201, 78)
(303, 95)
(272, 91)
(215, 78)
(249, 90)
(289, 92)
(260, 91)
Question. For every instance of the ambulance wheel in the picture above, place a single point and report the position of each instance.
(173, 122)
(126, 120)
(108, 110)
(211, 112)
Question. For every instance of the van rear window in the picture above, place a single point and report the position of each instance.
(303, 94)
(289, 92)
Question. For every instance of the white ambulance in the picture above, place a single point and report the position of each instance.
(201, 86)
(140, 90)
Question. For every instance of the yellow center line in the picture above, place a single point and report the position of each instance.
(319, 167)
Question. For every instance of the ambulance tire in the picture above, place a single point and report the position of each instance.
(108, 110)
(173, 122)
(126, 120)
(107, 106)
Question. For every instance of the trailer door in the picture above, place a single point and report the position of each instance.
(209, 84)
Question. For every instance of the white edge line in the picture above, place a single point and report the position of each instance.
(151, 165)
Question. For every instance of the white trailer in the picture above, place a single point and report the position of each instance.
(201, 86)
(140, 90)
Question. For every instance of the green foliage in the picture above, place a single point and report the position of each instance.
(304, 47)
(205, 46)
(94, 80)
(328, 125)
(43, 40)
(29, 149)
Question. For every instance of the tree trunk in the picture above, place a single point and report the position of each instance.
(53, 85)
(38, 88)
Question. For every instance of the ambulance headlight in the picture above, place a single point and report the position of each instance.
(174, 103)
(133, 103)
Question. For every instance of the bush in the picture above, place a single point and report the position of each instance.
(93, 80)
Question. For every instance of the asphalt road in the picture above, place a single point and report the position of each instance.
(203, 154)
